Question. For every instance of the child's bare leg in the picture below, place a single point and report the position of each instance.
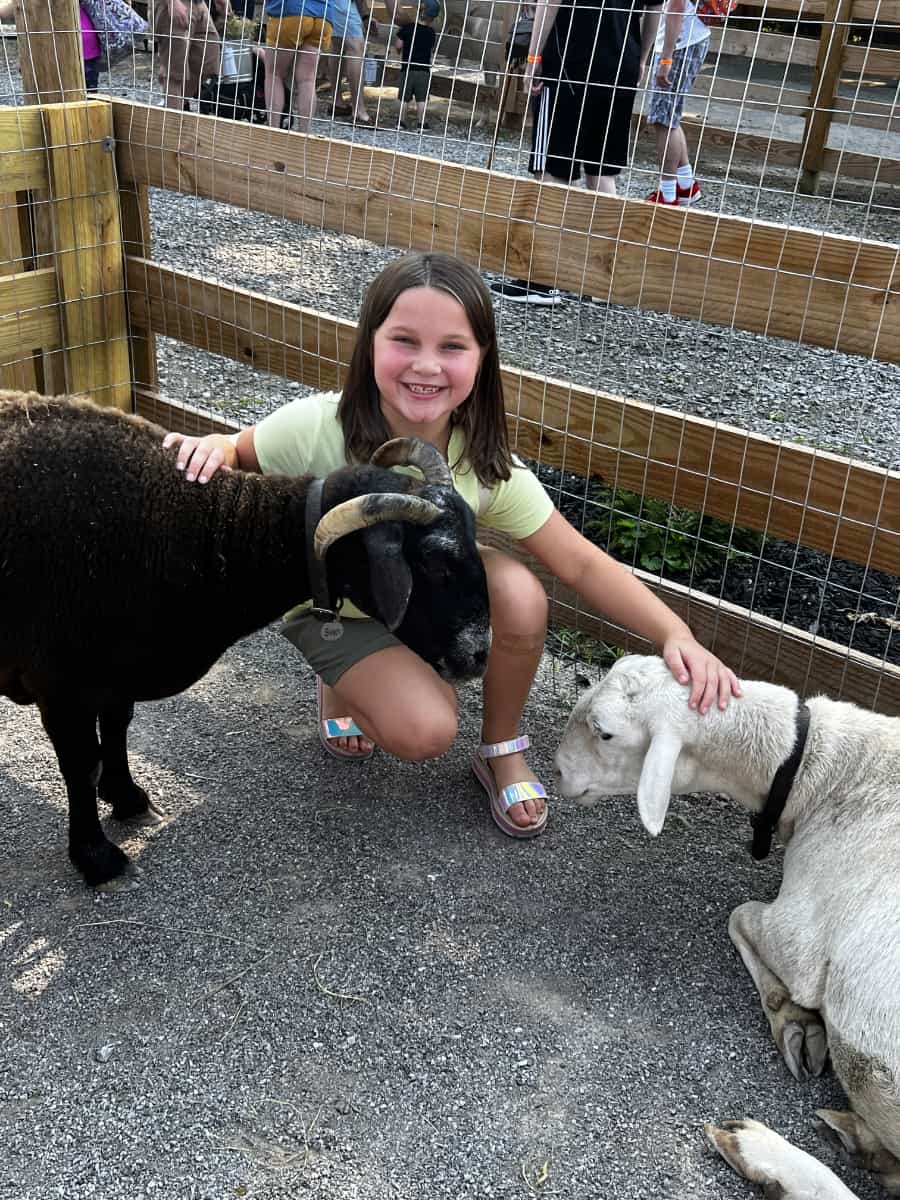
(519, 625)
(399, 702)
(420, 111)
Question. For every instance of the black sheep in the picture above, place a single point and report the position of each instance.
(120, 581)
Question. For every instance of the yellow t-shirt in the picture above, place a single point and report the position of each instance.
(304, 437)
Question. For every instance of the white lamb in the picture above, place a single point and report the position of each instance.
(825, 956)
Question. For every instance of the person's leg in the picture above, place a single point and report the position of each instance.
(519, 627)
(601, 183)
(354, 55)
(91, 74)
(305, 87)
(400, 703)
(277, 63)
(671, 149)
(174, 49)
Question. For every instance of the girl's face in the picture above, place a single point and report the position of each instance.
(426, 361)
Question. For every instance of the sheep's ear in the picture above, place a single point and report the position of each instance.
(655, 785)
(389, 572)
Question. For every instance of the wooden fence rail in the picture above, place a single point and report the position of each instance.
(820, 289)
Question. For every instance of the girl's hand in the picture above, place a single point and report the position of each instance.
(692, 663)
(201, 457)
(663, 76)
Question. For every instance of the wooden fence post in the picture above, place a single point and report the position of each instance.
(832, 42)
(50, 56)
(87, 250)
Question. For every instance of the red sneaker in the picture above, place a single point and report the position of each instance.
(689, 195)
(658, 198)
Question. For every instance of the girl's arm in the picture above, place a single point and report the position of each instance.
(612, 590)
(201, 457)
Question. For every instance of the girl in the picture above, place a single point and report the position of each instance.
(426, 365)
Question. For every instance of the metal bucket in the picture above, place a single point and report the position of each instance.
(237, 62)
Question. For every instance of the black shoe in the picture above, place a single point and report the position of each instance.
(520, 291)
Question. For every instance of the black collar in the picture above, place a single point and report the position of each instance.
(322, 609)
(765, 822)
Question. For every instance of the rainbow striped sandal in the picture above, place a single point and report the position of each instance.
(337, 727)
(502, 800)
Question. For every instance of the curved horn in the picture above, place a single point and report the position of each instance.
(362, 511)
(413, 452)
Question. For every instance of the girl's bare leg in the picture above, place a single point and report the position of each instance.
(519, 625)
(399, 702)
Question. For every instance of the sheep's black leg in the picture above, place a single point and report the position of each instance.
(116, 785)
(73, 731)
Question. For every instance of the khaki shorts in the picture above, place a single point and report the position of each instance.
(331, 659)
(292, 33)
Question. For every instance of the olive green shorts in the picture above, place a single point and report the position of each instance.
(330, 659)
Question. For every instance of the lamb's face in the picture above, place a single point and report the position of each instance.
(603, 747)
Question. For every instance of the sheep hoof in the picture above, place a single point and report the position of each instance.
(151, 816)
(800, 1036)
(100, 863)
(130, 803)
(764, 1157)
(849, 1132)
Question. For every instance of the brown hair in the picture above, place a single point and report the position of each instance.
(481, 416)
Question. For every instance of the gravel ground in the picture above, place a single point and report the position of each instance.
(341, 981)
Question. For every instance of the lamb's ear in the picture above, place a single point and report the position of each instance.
(655, 785)
(389, 572)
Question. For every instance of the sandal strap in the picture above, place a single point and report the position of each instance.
(335, 727)
(518, 793)
(501, 749)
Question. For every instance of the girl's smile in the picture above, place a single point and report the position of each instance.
(426, 361)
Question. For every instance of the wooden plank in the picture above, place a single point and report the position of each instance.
(135, 209)
(819, 500)
(29, 315)
(835, 29)
(798, 284)
(800, 51)
(755, 646)
(50, 51)
(183, 417)
(872, 60)
(763, 47)
(718, 143)
(764, 97)
(23, 160)
(88, 250)
(883, 11)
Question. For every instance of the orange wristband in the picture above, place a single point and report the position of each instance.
(534, 58)
(666, 62)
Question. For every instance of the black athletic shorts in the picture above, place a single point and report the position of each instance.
(580, 125)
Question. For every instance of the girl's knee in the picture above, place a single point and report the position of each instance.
(419, 739)
(517, 596)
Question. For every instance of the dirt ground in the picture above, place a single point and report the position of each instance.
(342, 981)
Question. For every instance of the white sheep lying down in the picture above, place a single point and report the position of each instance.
(825, 955)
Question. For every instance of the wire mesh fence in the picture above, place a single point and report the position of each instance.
(767, 306)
